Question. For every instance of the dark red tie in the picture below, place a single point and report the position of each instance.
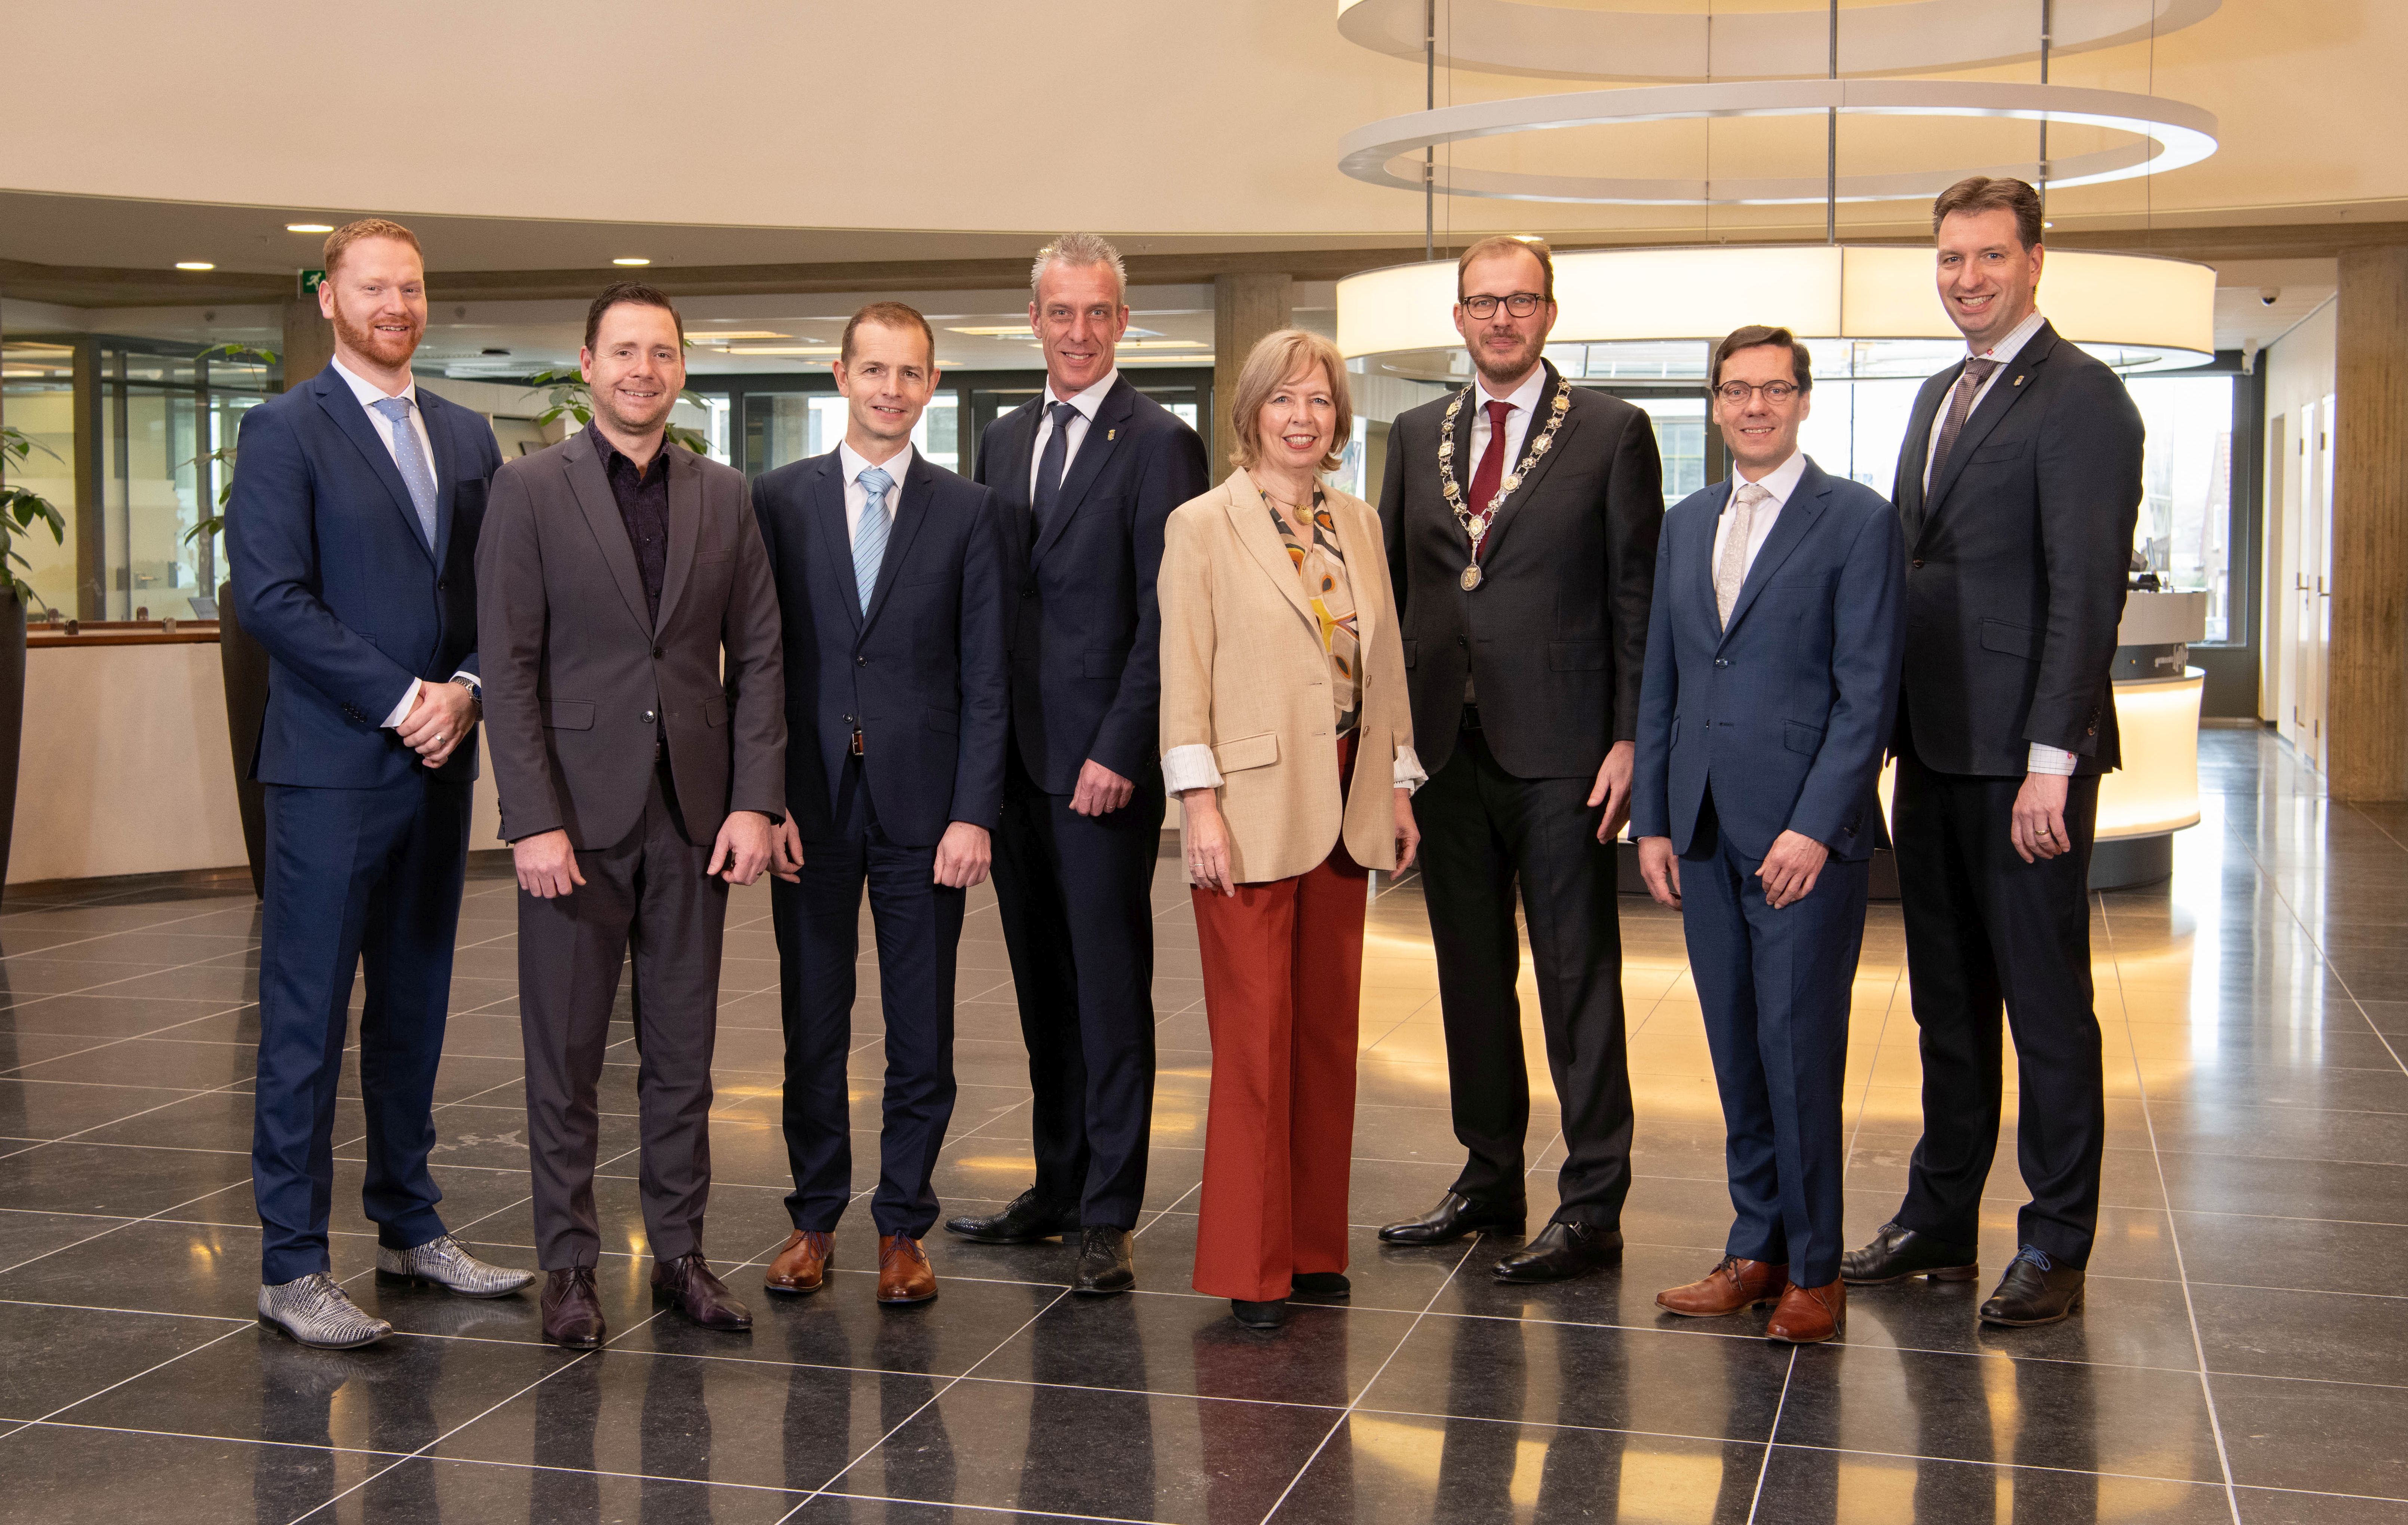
(1492, 467)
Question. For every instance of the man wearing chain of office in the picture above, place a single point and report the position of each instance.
(1520, 514)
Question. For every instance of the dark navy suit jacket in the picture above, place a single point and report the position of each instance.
(923, 673)
(1086, 633)
(1789, 710)
(333, 575)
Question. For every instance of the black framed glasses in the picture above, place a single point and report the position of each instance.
(1737, 393)
(1520, 304)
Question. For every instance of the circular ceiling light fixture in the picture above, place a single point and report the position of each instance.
(1893, 36)
(2173, 134)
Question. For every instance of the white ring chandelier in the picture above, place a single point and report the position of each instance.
(2174, 135)
(1899, 36)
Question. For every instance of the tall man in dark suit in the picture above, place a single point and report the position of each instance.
(638, 739)
(2017, 486)
(1520, 517)
(1086, 474)
(1771, 687)
(890, 580)
(353, 535)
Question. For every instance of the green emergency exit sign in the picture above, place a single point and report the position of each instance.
(311, 281)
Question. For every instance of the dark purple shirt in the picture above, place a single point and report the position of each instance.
(644, 507)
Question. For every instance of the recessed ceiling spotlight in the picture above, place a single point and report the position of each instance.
(630, 259)
(2048, 224)
(308, 227)
(195, 264)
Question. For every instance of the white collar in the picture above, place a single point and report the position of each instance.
(1780, 482)
(853, 464)
(1086, 402)
(1525, 396)
(368, 392)
(2005, 350)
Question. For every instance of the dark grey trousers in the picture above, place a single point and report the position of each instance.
(648, 894)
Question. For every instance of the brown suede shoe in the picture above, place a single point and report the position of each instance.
(702, 1297)
(802, 1264)
(1810, 1314)
(903, 1272)
(572, 1314)
(1730, 1287)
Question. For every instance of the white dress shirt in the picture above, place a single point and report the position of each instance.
(857, 496)
(1524, 400)
(370, 395)
(1086, 403)
(1780, 482)
(2042, 757)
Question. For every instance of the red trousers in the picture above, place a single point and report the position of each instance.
(1283, 994)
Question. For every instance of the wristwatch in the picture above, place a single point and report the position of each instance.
(476, 695)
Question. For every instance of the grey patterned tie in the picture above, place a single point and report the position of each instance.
(1960, 407)
(870, 539)
(410, 456)
(1732, 571)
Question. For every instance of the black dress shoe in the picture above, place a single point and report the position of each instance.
(1104, 1262)
(2035, 1291)
(1898, 1253)
(572, 1314)
(1455, 1217)
(1258, 1314)
(1028, 1219)
(1320, 1286)
(1561, 1252)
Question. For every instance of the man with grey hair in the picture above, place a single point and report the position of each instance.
(1086, 474)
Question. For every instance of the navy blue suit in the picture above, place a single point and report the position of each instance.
(1776, 722)
(921, 679)
(1076, 891)
(333, 575)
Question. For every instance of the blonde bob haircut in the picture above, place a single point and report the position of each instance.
(1278, 357)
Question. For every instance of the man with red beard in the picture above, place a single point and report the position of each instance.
(353, 535)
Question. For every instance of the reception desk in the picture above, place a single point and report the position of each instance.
(2156, 793)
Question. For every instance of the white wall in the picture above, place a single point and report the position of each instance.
(126, 766)
(2298, 371)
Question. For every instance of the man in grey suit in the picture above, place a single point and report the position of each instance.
(616, 578)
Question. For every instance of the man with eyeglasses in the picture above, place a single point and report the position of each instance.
(1521, 515)
(1772, 658)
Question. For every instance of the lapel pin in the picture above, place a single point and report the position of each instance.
(2019, 380)
(1111, 435)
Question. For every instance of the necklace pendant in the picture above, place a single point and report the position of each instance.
(1470, 577)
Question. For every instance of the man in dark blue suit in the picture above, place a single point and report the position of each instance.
(1772, 662)
(1086, 474)
(353, 535)
(890, 584)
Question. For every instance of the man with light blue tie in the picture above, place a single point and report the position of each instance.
(890, 575)
(353, 537)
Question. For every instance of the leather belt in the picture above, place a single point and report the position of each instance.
(1471, 717)
(856, 742)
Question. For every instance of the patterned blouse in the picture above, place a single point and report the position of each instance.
(1321, 567)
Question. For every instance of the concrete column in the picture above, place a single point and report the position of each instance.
(308, 342)
(2366, 695)
(1244, 308)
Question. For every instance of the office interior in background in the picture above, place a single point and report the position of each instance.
(2225, 186)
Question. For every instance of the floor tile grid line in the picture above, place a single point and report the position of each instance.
(1015, 1510)
(101, 937)
(2173, 1229)
(2028, 1466)
(12, 1074)
(923, 1407)
(1779, 1406)
(1865, 1094)
(2376, 824)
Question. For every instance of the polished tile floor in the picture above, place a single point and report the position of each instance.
(2244, 1355)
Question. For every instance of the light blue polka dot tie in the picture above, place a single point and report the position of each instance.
(870, 539)
(410, 456)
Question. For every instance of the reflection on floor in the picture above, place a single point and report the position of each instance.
(2244, 1355)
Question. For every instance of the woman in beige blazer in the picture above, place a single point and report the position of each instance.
(1283, 711)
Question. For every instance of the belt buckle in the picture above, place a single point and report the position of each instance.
(856, 744)
(1471, 717)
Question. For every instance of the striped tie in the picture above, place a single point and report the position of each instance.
(869, 537)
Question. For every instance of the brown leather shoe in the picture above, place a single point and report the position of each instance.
(903, 1272)
(802, 1264)
(1810, 1314)
(572, 1314)
(702, 1297)
(1730, 1287)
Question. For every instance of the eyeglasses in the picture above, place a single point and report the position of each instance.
(1737, 393)
(1520, 304)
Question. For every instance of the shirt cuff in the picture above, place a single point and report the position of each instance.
(2049, 759)
(1409, 773)
(401, 711)
(475, 685)
(1189, 766)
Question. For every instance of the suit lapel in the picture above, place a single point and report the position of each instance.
(1010, 486)
(1103, 438)
(1702, 558)
(1807, 501)
(342, 404)
(1539, 413)
(1357, 554)
(2006, 390)
(1917, 448)
(919, 486)
(447, 471)
(824, 504)
(1253, 521)
(685, 524)
(591, 487)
